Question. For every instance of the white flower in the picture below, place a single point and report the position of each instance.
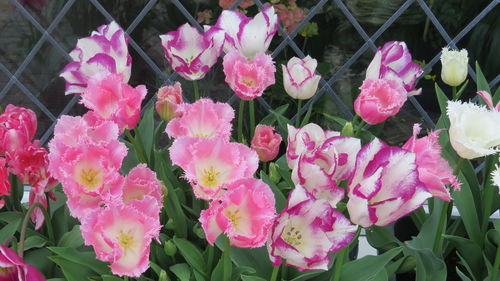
(454, 66)
(299, 77)
(474, 130)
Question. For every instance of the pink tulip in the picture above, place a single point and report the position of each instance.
(191, 53)
(379, 100)
(168, 99)
(141, 182)
(304, 140)
(4, 181)
(211, 164)
(266, 142)
(320, 171)
(299, 77)
(227, 4)
(122, 234)
(248, 36)
(433, 171)
(113, 100)
(245, 213)
(307, 231)
(13, 268)
(248, 78)
(17, 128)
(393, 61)
(105, 50)
(385, 185)
(204, 118)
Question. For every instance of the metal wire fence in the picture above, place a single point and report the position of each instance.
(14, 77)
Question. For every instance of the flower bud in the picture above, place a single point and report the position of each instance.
(169, 97)
(266, 142)
(299, 77)
(274, 174)
(170, 248)
(348, 130)
(454, 66)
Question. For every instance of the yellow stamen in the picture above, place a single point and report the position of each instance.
(234, 216)
(210, 178)
(125, 239)
(90, 178)
(292, 236)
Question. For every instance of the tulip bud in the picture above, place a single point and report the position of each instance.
(169, 97)
(170, 225)
(274, 174)
(299, 79)
(170, 248)
(454, 66)
(347, 131)
(266, 142)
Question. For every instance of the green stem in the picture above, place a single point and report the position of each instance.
(274, 274)
(241, 109)
(358, 129)
(488, 203)
(443, 220)
(419, 217)
(210, 259)
(251, 108)
(227, 261)
(297, 119)
(284, 270)
(141, 146)
(125, 278)
(339, 261)
(24, 226)
(304, 44)
(196, 90)
(496, 265)
(454, 91)
(138, 151)
(458, 166)
(15, 197)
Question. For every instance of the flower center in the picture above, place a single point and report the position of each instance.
(234, 216)
(210, 178)
(125, 239)
(248, 81)
(90, 178)
(5, 271)
(293, 236)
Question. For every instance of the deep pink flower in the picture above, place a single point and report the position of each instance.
(379, 100)
(204, 118)
(191, 53)
(4, 181)
(210, 164)
(141, 182)
(266, 142)
(307, 231)
(122, 234)
(245, 213)
(13, 268)
(385, 185)
(113, 100)
(105, 50)
(248, 78)
(248, 36)
(304, 140)
(168, 99)
(393, 61)
(433, 170)
(489, 100)
(226, 4)
(17, 127)
(321, 170)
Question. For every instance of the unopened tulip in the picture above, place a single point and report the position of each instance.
(17, 128)
(454, 66)
(168, 98)
(266, 142)
(299, 78)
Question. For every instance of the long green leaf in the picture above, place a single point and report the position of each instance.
(369, 266)
(191, 254)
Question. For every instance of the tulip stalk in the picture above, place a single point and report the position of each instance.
(274, 274)
(22, 238)
(339, 261)
(196, 90)
(251, 108)
(454, 91)
(299, 107)
(227, 261)
(496, 265)
(241, 110)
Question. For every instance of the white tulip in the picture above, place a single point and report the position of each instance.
(299, 77)
(454, 66)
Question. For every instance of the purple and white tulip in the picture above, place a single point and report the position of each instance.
(299, 77)
(307, 231)
(385, 185)
(190, 52)
(393, 61)
(247, 35)
(319, 171)
(105, 50)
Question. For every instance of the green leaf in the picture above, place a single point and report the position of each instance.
(336, 119)
(191, 253)
(284, 171)
(462, 275)
(182, 271)
(482, 83)
(130, 160)
(218, 272)
(270, 119)
(442, 100)
(382, 238)
(429, 267)
(87, 259)
(13, 221)
(111, 278)
(308, 275)
(72, 239)
(146, 130)
(251, 278)
(471, 253)
(368, 266)
(307, 116)
(72, 271)
(34, 241)
(278, 195)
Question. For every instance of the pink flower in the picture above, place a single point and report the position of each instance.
(290, 16)
(248, 36)
(393, 61)
(13, 268)
(168, 99)
(113, 100)
(122, 234)
(141, 182)
(17, 127)
(204, 16)
(433, 171)
(210, 164)
(4, 181)
(248, 78)
(320, 171)
(489, 100)
(226, 4)
(105, 50)
(245, 213)
(307, 231)
(191, 53)
(266, 142)
(299, 77)
(379, 100)
(385, 185)
(304, 140)
(204, 118)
